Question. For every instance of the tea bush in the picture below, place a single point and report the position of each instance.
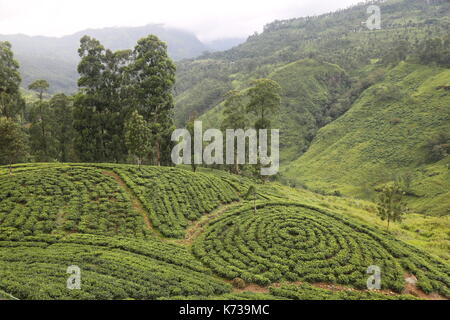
(293, 242)
(66, 199)
(111, 268)
(174, 197)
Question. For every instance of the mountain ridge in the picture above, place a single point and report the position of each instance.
(55, 58)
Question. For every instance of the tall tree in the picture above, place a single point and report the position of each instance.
(100, 106)
(114, 93)
(265, 100)
(13, 142)
(190, 127)
(40, 86)
(391, 205)
(11, 102)
(138, 136)
(62, 130)
(235, 117)
(234, 111)
(41, 118)
(88, 106)
(152, 76)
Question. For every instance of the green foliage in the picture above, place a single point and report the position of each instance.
(62, 129)
(152, 76)
(67, 199)
(53, 216)
(99, 109)
(439, 146)
(111, 268)
(137, 136)
(312, 95)
(114, 83)
(308, 292)
(264, 101)
(174, 197)
(13, 142)
(10, 100)
(40, 86)
(391, 205)
(364, 148)
(294, 242)
(302, 292)
(234, 112)
(436, 51)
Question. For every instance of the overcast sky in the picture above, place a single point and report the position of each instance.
(208, 19)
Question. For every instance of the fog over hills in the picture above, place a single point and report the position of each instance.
(55, 58)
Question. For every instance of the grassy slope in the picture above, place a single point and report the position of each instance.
(381, 138)
(308, 87)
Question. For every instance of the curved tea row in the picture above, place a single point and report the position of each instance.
(291, 242)
(111, 268)
(174, 197)
(66, 199)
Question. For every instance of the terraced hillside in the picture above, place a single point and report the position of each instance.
(119, 224)
(292, 242)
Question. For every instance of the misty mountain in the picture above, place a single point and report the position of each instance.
(55, 59)
(224, 44)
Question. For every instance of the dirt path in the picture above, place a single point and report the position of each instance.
(198, 227)
(192, 232)
(135, 202)
(410, 289)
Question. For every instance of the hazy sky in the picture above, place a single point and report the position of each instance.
(209, 19)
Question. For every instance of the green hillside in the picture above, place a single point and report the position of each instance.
(332, 67)
(384, 136)
(121, 225)
(338, 38)
(309, 90)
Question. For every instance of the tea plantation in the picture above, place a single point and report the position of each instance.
(124, 226)
(174, 197)
(292, 242)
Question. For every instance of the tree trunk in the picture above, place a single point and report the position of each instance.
(158, 154)
(44, 141)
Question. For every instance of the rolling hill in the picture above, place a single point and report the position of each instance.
(383, 137)
(338, 38)
(350, 121)
(123, 227)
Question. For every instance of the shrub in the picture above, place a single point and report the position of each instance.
(238, 283)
